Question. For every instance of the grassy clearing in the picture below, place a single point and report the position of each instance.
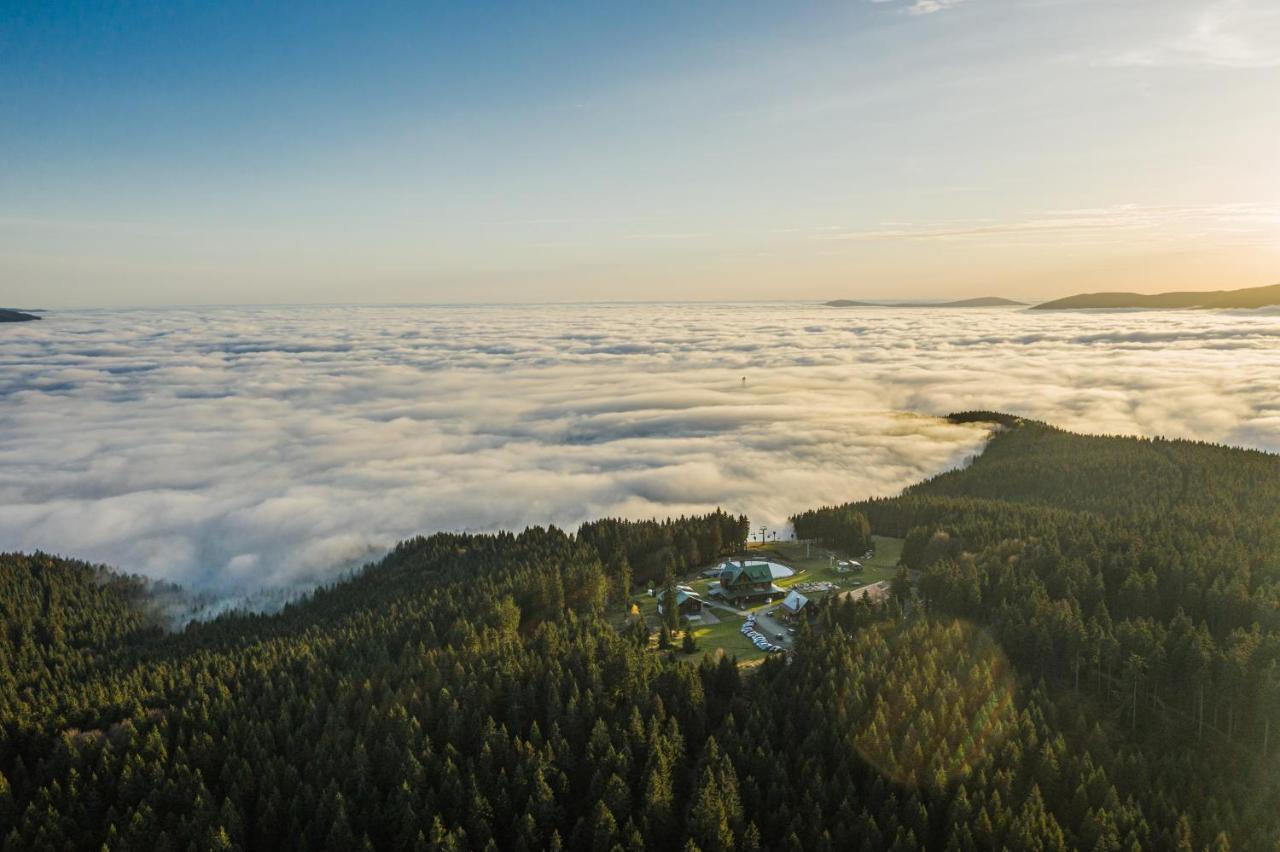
(820, 567)
(648, 607)
(725, 637)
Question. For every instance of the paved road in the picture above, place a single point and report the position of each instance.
(771, 627)
(741, 613)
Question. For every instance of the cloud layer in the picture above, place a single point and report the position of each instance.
(240, 448)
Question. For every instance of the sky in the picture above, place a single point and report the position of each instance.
(199, 153)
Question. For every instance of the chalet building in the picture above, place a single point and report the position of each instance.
(687, 603)
(742, 581)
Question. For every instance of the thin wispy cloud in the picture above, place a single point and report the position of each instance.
(921, 7)
(1240, 34)
(928, 7)
(1134, 223)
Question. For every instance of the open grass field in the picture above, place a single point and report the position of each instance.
(726, 637)
(819, 566)
(723, 636)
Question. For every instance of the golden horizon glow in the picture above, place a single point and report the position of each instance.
(896, 149)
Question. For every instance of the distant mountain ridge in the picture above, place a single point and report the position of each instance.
(7, 315)
(1249, 297)
(980, 302)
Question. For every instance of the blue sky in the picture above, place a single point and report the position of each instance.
(238, 152)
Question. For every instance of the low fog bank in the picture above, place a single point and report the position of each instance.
(238, 449)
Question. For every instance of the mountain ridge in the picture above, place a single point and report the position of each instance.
(1248, 297)
(9, 315)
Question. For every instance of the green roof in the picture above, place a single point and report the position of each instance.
(755, 572)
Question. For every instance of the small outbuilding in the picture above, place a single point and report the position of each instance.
(794, 602)
(687, 603)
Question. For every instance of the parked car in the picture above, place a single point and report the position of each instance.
(779, 636)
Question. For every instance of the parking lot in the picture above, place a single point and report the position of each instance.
(771, 627)
(773, 631)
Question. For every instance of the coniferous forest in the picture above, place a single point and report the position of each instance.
(1082, 654)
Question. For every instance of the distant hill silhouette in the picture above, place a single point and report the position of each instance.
(7, 315)
(981, 302)
(1250, 297)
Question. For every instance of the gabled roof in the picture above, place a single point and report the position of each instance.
(795, 601)
(752, 572)
(682, 596)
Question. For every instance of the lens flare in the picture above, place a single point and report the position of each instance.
(944, 700)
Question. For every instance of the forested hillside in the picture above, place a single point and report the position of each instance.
(1136, 579)
(1088, 660)
(644, 552)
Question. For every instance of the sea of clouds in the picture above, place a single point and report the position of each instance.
(244, 448)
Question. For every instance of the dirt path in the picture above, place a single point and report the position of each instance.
(874, 591)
